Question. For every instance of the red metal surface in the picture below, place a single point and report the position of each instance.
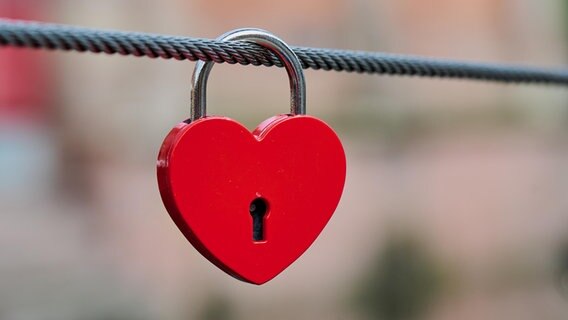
(211, 170)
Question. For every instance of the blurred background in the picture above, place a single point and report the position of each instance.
(456, 201)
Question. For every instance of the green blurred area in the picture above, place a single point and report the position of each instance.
(403, 283)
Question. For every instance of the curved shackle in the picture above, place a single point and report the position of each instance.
(272, 43)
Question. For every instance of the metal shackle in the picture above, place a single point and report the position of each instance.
(272, 43)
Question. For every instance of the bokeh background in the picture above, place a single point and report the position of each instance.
(456, 201)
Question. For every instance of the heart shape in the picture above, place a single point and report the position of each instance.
(210, 171)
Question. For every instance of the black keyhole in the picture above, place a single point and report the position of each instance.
(257, 209)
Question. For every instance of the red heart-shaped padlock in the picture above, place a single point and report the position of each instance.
(213, 173)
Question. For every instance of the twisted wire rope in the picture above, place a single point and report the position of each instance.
(38, 35)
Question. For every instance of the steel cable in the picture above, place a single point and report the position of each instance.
(37, 35)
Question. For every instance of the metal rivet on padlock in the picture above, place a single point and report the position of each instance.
(252, 202)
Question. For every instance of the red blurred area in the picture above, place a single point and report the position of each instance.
(24, 76)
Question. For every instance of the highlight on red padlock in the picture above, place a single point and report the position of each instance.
(252, 202)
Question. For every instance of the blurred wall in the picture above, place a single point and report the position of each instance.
(474, 171)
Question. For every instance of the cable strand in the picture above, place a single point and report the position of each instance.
(37, 35)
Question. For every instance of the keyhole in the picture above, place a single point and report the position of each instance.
(257, 209)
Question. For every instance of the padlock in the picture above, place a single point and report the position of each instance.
(252, 202)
